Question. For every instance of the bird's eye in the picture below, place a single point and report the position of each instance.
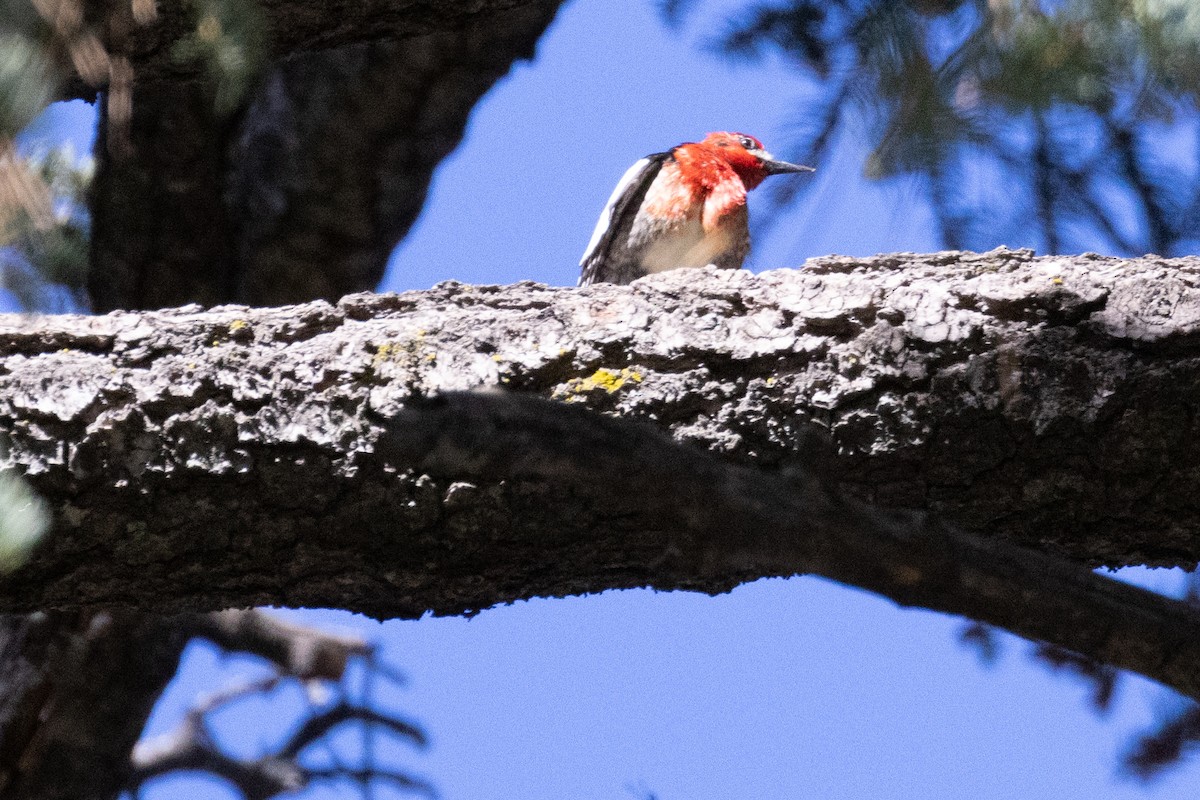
(747, 142)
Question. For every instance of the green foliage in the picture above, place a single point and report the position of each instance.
(1062, 102)
(45, 266)
(1169, 36)
(43, 212)
(26, 82)
(23, 521)
(230, 41)
(1044, 60)
(44, 222)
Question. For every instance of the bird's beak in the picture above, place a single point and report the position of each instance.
(774, 167)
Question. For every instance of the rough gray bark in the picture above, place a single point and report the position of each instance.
(205, 459)
(696, 521)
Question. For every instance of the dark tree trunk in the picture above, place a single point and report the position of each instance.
(303, 193)
(298, 196)
(79, 686)
(161, 233)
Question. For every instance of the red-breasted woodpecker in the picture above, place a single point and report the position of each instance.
(682, 208)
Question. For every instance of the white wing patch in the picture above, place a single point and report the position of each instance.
(605, 222)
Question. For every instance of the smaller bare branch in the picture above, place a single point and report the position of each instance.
(191, 746)
(188, 748)
(983, 639)
(381, 669)
(1158, 750)
(1102, 677)
(232, 694)
(1043, 185)
(298, 650)
(1124, 142)
(368, 775)
(317, 726)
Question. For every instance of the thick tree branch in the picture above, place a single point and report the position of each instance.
(721, 520)
(233, 457)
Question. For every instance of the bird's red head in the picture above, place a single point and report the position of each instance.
(745, 154)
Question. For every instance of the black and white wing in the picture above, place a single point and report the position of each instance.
(612, 230)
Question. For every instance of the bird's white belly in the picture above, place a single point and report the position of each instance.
(688, 245)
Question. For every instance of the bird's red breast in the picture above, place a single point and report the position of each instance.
(716, 173)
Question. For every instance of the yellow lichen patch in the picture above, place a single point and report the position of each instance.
(405, 354)
(237, 330)
(608, 380)
(1057, 281)
(382, 354)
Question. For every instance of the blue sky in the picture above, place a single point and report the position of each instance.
(782, 689)
(610, 84)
